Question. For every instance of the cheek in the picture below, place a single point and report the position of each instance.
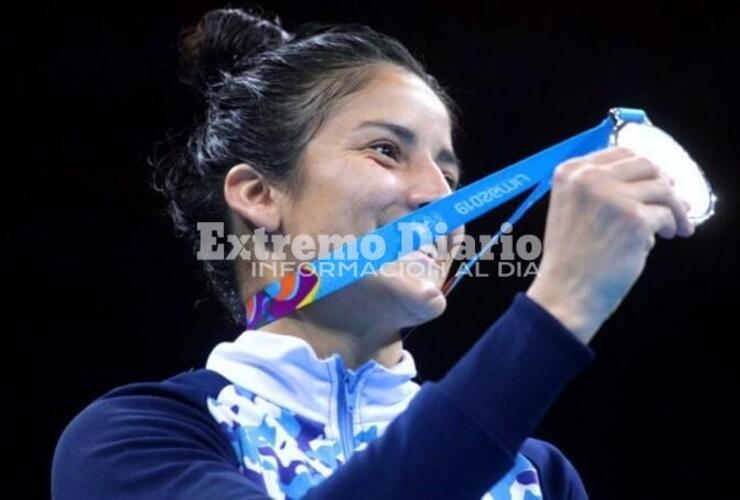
(353, 198)
(376, 198)
(374, 187)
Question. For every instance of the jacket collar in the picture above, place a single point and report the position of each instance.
(285, 370)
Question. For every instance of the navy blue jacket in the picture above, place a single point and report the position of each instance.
(267, 419)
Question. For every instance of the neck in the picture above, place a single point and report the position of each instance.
(357, 341)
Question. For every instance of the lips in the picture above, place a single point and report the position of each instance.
(429, 252)
(433, 251)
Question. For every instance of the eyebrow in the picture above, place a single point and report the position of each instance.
(407, 136)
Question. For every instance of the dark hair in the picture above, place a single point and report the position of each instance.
(267, 92)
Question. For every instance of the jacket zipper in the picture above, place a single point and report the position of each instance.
(346, 404)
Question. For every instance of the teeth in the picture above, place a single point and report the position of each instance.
(429, 250)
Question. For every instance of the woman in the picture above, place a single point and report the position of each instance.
(338, 131)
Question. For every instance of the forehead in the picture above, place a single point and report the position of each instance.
(398, 96)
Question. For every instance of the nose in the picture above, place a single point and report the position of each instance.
(426, 184)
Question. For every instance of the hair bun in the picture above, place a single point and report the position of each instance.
(223, 41)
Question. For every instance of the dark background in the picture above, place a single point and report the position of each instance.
(100, 293)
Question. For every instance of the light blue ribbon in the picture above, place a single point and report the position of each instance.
(445, 214)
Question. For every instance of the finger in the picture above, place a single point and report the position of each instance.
(660, 220)
(609, 155)
(633, 169)
(660, 192)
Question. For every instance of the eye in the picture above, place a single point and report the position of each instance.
(387, 149)
(452, 181)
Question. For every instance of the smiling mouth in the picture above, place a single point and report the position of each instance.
(428, 253)
(436, 251)
(432, 254)
(432, 251)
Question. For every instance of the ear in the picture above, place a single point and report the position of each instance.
(248, 195)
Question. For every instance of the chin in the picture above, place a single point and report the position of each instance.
(431, 308)
(421, 300)
(411, 299)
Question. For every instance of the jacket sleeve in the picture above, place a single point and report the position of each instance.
(147, 446)
(455, 440)
(558, 478)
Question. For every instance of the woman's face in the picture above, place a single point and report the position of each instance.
(383, 152)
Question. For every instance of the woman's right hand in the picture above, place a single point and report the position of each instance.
(605, 210)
